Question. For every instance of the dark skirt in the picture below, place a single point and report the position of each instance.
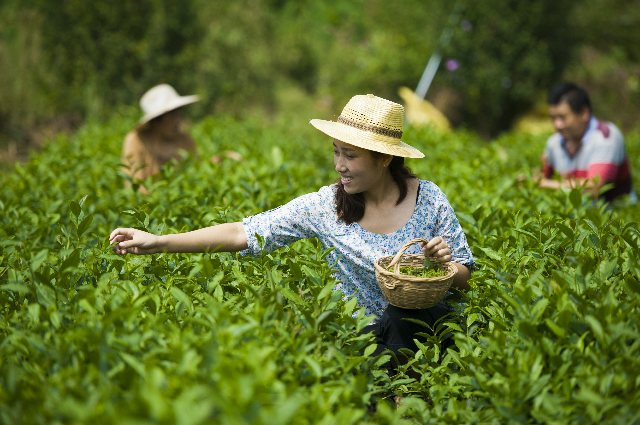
(393, 333)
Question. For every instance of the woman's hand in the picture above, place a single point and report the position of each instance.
(133, 241)
(438, 249)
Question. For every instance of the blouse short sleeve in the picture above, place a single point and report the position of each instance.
(301, 218)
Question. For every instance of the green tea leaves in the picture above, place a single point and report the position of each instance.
(548, 332)
(38, 259)
(576, 197)
(84, 225)
(71, 262)
(75, 208)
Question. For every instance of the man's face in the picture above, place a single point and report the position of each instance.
(570, 125)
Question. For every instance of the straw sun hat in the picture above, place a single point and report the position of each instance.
(372, 123)
(160, 100)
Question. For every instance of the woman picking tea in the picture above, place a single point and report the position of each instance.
(377, 206)
(158, 137)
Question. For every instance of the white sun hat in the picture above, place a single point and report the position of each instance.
(162, 99)
(372, 123)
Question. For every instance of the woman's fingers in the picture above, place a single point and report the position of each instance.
(433, 246)
(120, 247)
(121, 234)
(437, 248)
(434, 242)
(128, 247)
(443, 255)
(118, 237)
(131, 241)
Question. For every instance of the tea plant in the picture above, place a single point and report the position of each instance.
(547, 334)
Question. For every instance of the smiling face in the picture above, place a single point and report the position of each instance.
(359, 170)
(569, 124)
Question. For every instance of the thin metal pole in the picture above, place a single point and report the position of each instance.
(428, 74)
(434, 61)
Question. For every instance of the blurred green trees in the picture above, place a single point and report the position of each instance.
(506, 52)
(77, 59)
(608, 64)
(69, 60)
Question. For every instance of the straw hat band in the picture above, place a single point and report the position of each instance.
(370, 128)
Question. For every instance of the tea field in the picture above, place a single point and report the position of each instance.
(549, 332)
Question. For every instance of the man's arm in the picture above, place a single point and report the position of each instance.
(592, 185)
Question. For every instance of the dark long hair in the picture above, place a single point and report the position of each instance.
(350, 208)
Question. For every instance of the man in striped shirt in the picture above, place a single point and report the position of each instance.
(584, 150)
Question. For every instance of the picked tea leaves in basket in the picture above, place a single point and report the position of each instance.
(405, 284)
(429, 269)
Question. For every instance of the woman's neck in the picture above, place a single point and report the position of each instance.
(381, 213)
(383, 191)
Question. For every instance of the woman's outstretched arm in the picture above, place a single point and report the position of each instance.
(228, 237)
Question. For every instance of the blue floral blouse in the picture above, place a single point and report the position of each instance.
(314, 215)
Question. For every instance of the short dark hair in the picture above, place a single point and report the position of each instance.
(573, 94)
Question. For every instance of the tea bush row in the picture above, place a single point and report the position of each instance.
(548, 333)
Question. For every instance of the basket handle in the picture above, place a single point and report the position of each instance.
(395, 262)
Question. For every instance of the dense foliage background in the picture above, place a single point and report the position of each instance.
(506, 52)
(548, 334)
(61, 62)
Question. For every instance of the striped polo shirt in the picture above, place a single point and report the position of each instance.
(601, 153)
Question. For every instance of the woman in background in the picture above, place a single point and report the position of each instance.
(158, 138)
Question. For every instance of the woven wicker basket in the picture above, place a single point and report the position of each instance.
(410, 291)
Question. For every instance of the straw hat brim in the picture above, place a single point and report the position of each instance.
(168, 107)
(366, 140)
